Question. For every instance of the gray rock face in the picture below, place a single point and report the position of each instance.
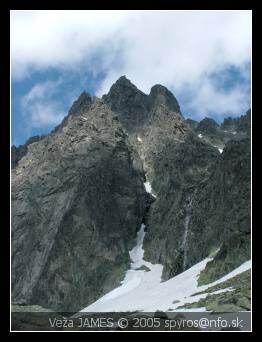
(78, 196)
(77, 201)
(222, 212)
(241, 124)
(135, 109)
(179, 171)
(218, 135)
(161, 96)
(149, 120)
(129, 103)
(192, 123)
(205, 203)
(18, 152)
(81, 105)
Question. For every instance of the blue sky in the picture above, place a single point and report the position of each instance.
(203, 57)
(52, 89)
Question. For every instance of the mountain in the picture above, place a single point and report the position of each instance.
(81, 193)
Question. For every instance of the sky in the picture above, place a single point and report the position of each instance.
(203, 57)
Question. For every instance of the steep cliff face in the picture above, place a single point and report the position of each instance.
(77, 200)
(182, 167)
(78, 196)
(205, 205)
(130, 104)
(223, 206)
(17, 153)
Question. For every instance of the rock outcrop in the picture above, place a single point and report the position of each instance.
(17, 153)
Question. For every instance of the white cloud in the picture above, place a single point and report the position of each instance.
(179, 49)
(45, 115)
(40, 39)
(224, 103)
(39, 109)
(176, 48)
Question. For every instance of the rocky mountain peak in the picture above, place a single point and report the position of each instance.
(135, 108)
(207, 125)
(123, 88)
(128, 102)
(160, 95)
(123, 81)
(81, 105)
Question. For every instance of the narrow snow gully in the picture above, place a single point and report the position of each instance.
(148, 188)
(184, 244)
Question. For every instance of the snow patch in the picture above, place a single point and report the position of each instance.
(186, 225)
(220, 150)
(144, 290)
(200, 135)
(148, 188)
(184, 242)
(139, 139)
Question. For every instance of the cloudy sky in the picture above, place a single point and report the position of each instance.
(203, 57)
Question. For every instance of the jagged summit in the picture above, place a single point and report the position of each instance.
(134, 107)
(123, 88)
(128, 102)
(207, 125)
(82, 104)
(123, 80)
(163, 96)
